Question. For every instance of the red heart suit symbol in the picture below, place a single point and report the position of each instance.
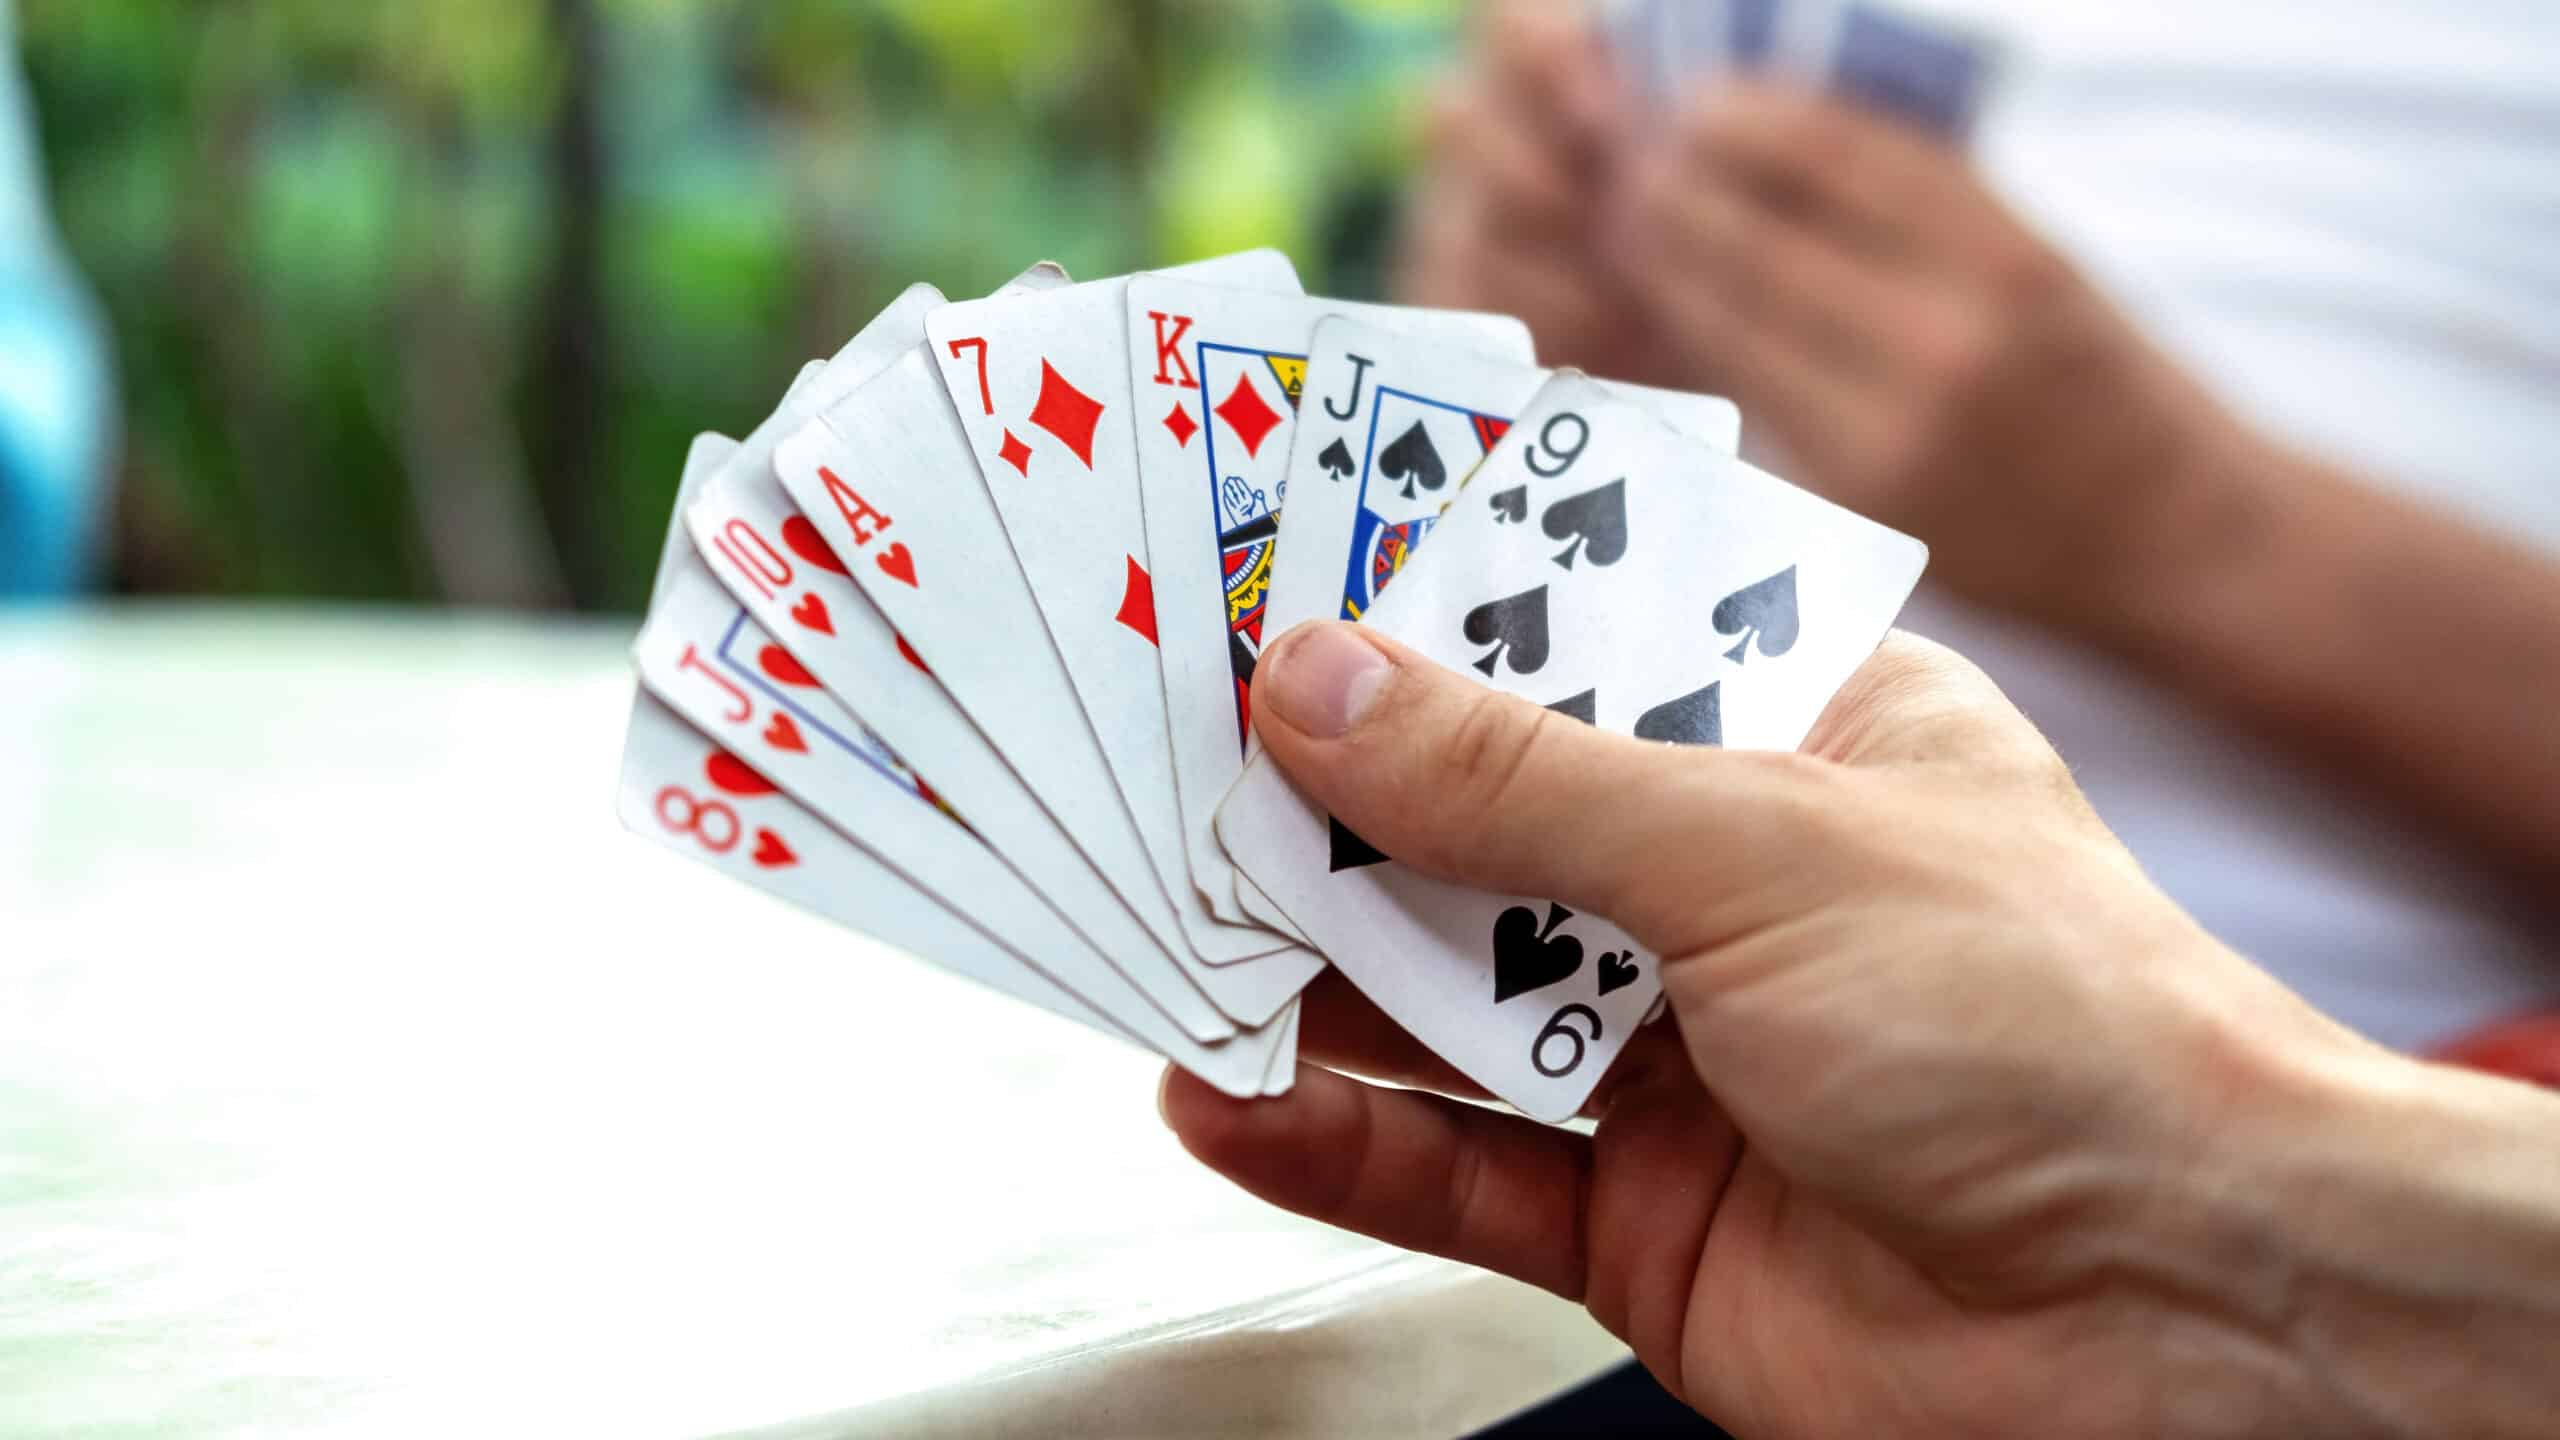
(812, 612)
(898, 564)
(776, 662)
(781, 734)
(809, 545)
(771, 853)
(732, 774)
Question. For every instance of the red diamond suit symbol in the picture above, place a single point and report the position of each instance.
(1138, 601)
(1066, 412)
(1248, 414)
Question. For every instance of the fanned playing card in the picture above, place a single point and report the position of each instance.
(886, 478)
(704, 657)
(793, 584)
(687, 793)
(700, 800)
(1913, 63)
(1041, 385)
(1611, 569)
(1394, 427)
(954, 648)
(1391, 428)
(1921, 69)
(769, 842)
(1218, 374)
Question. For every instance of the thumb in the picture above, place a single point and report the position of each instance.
(1482, 789)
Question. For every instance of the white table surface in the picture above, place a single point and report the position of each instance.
(358, 1075)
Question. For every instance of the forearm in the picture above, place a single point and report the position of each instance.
(2393, 644)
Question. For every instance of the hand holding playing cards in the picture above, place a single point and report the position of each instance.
(1915, 350)
(1962, 1127)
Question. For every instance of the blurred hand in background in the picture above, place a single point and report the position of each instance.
(1522, 146)
(1911, 349)
(1900, 341)
(1887, 325)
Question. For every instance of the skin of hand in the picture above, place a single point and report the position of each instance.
(1957, 1126)
(1522, 142)
(1886, 325)
(1912, 350)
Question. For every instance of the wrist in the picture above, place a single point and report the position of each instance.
(2393, 1229)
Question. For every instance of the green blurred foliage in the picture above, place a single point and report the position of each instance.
(423, 301)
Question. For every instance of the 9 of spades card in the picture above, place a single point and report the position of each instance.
(1608, 568)
(1218, 374)
(1395, 425)
(1390, 429)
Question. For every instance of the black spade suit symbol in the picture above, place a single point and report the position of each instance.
(1696, 718)
(1595, 522)
(1765, 610)
(1584, 707)
(1336, 458)
(1516, 624)
(1412, 459)
(1511, 505)
(1528, 956)
(1349, 851)
(1617, 970)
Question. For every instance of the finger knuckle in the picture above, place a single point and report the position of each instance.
(1907, 667)
(1915, 702)
(1807, 810)
(1463, 1194)
(1490, 748)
